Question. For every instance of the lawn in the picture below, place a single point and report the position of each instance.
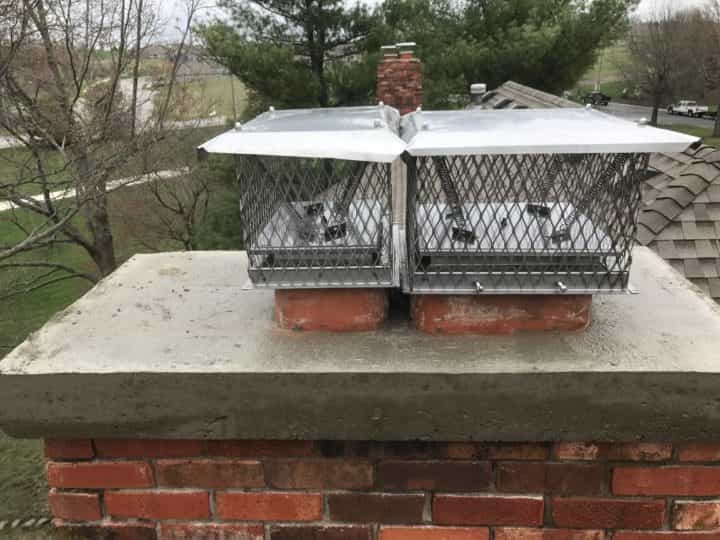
(609, 65)
(16, 163)
(697, 131)
(22, 480)
(210, 96)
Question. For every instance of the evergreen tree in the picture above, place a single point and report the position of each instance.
(546, 44)
(321, 52)
(292, 53)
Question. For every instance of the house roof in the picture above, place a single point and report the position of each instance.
(512, 95)
(680, 215)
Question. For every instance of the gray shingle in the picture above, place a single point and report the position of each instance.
(706, 171)
(654, 221)
(702, 151)
(644, 235)
(713, 193)
(693, 269)
(694, 183)
(679, 194)
(673, 231)
(690, 230)
(702, 284)
(687, 215)
(666, 249)
(713, 157)
(709, 268)
(704, 231)
(714, 285)
(700, 212)
(713, 210)
(706, 248)
(685, 249)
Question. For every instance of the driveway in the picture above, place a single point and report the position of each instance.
(635, 112)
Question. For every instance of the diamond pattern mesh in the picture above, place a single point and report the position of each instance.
(522, 223)
(316, 222)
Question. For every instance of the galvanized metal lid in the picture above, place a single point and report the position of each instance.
(352, 133)
(533, 131)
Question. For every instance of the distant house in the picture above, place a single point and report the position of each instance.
(680, 216)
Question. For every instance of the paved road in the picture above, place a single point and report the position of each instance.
(112, 185)
(635, 112)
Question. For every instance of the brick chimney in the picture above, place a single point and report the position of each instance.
(400, 78)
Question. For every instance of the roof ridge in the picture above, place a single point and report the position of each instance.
(539, 95)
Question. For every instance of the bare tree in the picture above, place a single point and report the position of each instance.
(13, 27)
(61, 97)
(657, 47)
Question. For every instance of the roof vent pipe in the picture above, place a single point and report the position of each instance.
(477, 91)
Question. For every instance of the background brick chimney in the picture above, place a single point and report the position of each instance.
(399, 78)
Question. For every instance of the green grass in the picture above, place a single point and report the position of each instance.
(613, 89)
(201, 98)
(17, 166)
(23, 489)
(609, 65)
(697, 131)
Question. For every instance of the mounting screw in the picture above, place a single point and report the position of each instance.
(643, 122)
(238, 126)
(560, 285)
(588, 107)
(478, 287)
(271, 108)
(419, 108)
(381, 103)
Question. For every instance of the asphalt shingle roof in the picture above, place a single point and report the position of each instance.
(680, 218)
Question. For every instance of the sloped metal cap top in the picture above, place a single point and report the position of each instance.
(352, 133)
(533, 131)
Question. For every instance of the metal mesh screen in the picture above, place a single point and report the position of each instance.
(316, 222)
(539, 224)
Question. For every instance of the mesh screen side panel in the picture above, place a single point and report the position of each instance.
(317, 222)
(522, 223)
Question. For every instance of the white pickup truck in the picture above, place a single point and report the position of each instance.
(688, 108)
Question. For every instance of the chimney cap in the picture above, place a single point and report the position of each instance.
(389, 51)
(406, 47)
(478, 88)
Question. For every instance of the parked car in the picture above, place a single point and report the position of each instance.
(597, 98)
(689, 108)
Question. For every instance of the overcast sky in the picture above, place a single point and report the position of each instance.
(647, 6)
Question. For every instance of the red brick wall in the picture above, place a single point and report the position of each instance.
(298, 490)
(400, 82)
